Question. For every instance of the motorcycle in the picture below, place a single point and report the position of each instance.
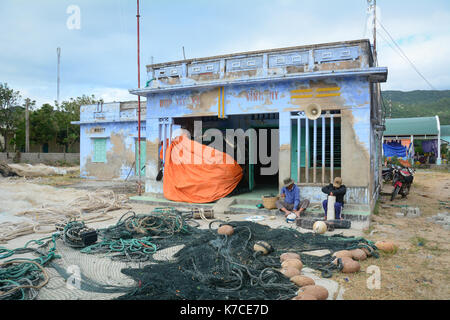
(402, 181)
(388, 173)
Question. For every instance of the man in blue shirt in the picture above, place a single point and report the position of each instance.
(291, 202)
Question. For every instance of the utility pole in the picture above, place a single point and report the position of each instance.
(58, 52)
(27, 126)
(139, 102)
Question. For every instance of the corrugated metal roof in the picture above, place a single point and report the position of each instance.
(445, 133)
(411, 126)
(445, 130)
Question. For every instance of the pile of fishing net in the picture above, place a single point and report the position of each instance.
(91, 207)
(40, 170)
(206, 265)
(132, 239)
(11, 230)
(135, 238)
(21, 278)
(220, 267)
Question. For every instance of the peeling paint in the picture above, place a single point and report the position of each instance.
(355, 152)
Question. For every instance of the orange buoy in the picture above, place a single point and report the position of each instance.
(350, 266)
(358, 254)
(386, 246)
(290, 272)
(342, 253)
(302, 281)
(294, 263)
(289, 255)
(226, 229)
(319, 292)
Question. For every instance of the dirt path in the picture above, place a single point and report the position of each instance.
(420, 268)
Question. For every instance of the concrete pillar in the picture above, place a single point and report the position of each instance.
(284, 159)
(152, 157)
(438, 160)
(265, 65)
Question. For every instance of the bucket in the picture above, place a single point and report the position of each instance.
(291, 218)
(269, 202)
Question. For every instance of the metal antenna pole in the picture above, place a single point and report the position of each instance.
(139, 102)
(58, 52)
(375, 32)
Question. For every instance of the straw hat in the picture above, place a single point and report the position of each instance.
(337, 182)
(287, 182)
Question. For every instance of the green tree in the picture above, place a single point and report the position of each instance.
(20, 133)
(10, 113)
(43, 125)
(69, 111)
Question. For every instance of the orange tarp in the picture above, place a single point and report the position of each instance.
(197, 173)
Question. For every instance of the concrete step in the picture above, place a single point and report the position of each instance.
(157, 201)
(354, 213)
(312, 213)
(223, 205)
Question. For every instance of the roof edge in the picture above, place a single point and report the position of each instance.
(304, 47)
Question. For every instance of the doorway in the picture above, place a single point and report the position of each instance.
(143, 156)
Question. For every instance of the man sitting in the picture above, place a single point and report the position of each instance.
(338, 190)
(291, 202)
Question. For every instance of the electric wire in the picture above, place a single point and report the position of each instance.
(403, 54)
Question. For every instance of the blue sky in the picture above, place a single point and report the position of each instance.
(100, 57)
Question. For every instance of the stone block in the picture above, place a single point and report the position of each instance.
(413, 212)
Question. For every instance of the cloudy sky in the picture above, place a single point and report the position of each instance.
(100, 57)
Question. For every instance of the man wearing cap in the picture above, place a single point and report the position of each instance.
(338, 190)
(291, 202)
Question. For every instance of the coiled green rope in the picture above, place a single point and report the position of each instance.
(22, 275)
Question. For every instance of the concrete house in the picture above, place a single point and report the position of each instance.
(272, 90)
(108, 140)
(415, 129)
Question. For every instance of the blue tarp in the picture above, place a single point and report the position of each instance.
(430, 146)
(395, 149)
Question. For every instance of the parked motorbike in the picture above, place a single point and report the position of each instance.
(388, 173)
(402, 181)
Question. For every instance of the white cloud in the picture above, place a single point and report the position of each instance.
(100, 58)
(113, 94)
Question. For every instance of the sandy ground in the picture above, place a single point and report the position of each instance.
(419, 270)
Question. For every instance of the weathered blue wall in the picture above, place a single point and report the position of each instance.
(261, 98)
(351, 95)
(121, 134)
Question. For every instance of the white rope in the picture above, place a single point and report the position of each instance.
(92, 207)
